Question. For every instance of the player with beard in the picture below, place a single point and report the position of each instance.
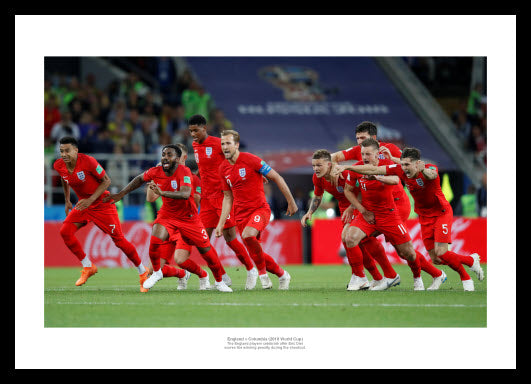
(89, 181)
(208, 156)
(243, 188)
(178, 213)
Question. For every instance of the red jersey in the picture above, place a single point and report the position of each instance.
(428, 195)
(244, 179)
(376, 196)
(173, 208)
(208, 156)
(196, 185)
(354, 153)
(85, 178)
(320, 184)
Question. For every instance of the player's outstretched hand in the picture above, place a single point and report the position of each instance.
(385, 151)
(82, 204)
(336, 173)
(218, 231)
(347, 215)
(68, 207)
(305, 218)
(155, 188)
(292, 209)
(369, 217)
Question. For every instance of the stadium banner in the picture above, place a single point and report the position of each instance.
(282, 239)
(468, 236)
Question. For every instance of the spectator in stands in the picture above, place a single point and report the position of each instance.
(477, 143)
(133, 120)
(272, 201)
(468, 204)
(86, 125)
(167, 77)
(196, 101)
(218, 122)
(65, 127)
(300, 199)
(119, 128)
(52, 115)
(146, 138)
(482, 197)
(462, 124)
(474, 104)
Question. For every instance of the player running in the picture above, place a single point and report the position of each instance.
(322, 181)
(208, 156)
(182, 249)
(434, 211)
(89, 181)
(243, 188)
(178, 213)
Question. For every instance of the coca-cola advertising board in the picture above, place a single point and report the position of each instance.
(282, 239)
(468, 236)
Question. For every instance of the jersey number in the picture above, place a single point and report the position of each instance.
(113, 226)
(445, 229)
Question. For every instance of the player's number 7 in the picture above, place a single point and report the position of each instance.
(113, 226)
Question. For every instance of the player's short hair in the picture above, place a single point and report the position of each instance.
(322, 154)
(410, 152)
(234, 134)
(197, 120)
(370, 142)
(367, 126)
(68, 140)
(184, 149)
(175, 147)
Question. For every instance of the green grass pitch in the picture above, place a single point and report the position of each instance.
(317, 298)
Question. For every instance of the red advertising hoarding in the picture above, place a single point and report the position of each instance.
(282, 239)
(468, 236)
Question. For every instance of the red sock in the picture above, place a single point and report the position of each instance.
(377, 251)
(415, 267)
(241, 253)
(67, 232)
(370, 265)
(155, 245)
(427, 266)
(452, 260)
(256, 253)
(212, 259)
(272, 266)
(129, 250)
(192, 267)
(171, 271)
(355, 258)
(466, 260)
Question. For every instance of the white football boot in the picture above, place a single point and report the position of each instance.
(252, 276)
(476, 267)
(468, 285)
(222, 287)
(418, 284)
(378, 285)
(266, 281)
(283, 281)
(204, 283)
(357, 283)
(227, 280)
(437, 282)
(182, 282)
(393, 282)
(152, 280)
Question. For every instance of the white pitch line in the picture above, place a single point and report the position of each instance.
(288, 305)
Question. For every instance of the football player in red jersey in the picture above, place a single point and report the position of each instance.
(182, 249)
(435, 212)
(208, 156)
(243, 188)
(89, 181)
(178, 213)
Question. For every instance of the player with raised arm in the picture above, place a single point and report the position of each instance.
(178, 213)
(208, 156)
(182, 250)
(243, 188)
(322, 165)
(89, 181)
(435, 212)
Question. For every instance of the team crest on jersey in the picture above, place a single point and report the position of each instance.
(174, 184)
(208, 151)
(339, 189)
(81, 175)
(242, 172)
(420, 182)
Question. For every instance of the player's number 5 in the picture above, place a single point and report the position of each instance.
(445, 229)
